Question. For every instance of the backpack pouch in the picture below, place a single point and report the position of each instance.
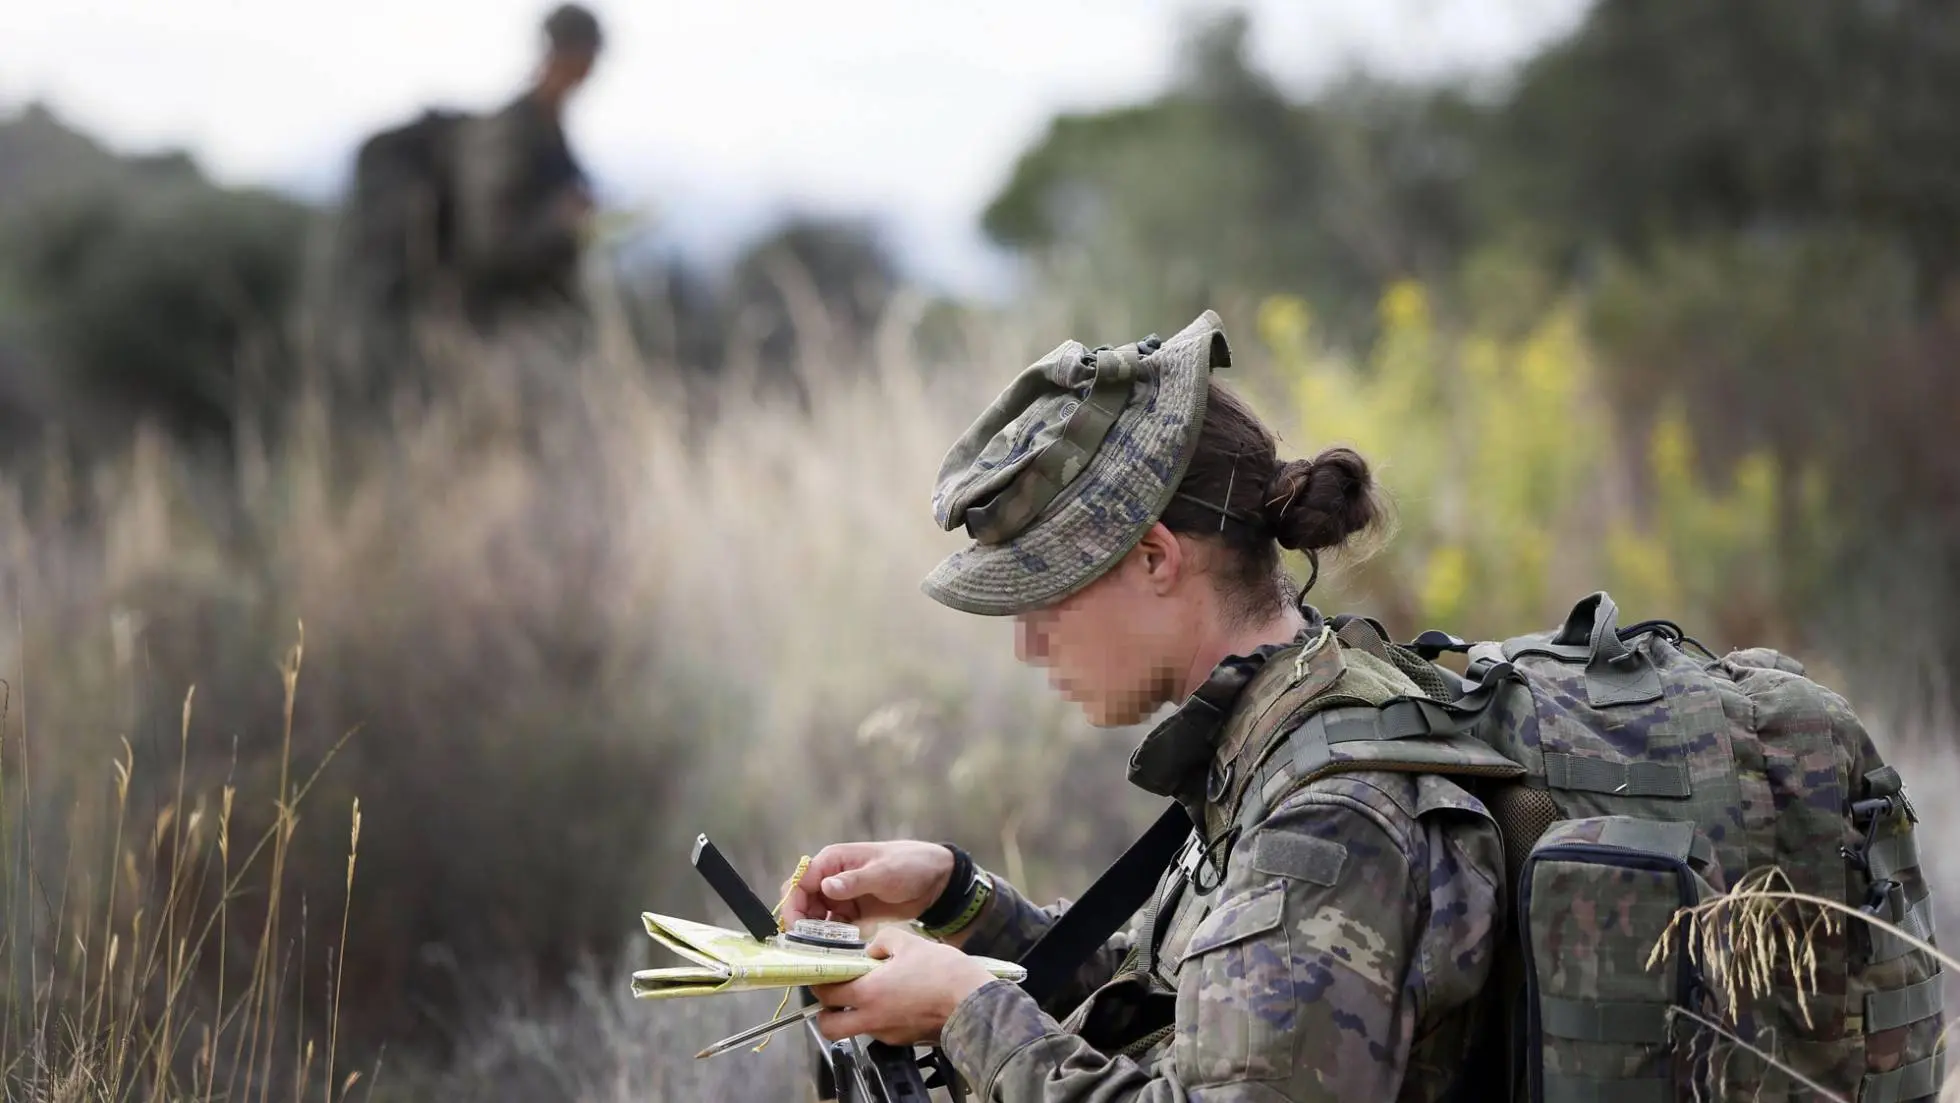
(1595, 897)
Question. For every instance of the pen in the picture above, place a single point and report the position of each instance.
(755, 1032)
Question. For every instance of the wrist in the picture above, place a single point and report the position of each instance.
(954, 907)
(976, 902)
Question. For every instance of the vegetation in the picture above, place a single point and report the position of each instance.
(340, 749)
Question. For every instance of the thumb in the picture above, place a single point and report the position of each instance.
(847, 885)
(874, 878)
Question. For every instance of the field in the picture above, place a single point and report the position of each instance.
(346, 772)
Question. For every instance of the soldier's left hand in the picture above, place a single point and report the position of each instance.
(908, 998)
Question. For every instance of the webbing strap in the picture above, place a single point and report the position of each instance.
(1914, 1081)
(1414, 717)
(1630, 779)
(1918, 923)
(1604, 1020)
(1898, 1006)
(1584, 1089)
(1890, 856)
(1406, 717)
(1398, 718)
(1018, 503)
(1122, 889)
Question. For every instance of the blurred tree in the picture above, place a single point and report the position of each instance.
(170, 307)
(1222, 185)
(811, 290)
(134, 288)
(1770, 116)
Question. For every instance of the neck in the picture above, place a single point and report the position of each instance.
(1223, 639)
(549, 96)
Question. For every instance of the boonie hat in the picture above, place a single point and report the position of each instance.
(1070, 466)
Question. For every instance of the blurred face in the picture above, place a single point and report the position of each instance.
(564, 72)
(1120, 646)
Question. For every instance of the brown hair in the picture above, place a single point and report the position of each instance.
(1238, 492)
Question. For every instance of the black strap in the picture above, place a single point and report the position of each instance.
(1122, 889)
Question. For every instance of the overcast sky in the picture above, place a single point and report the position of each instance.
(712, 112)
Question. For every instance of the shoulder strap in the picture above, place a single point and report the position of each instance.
(1117, 895)
(1367, 634)
(1407, 734)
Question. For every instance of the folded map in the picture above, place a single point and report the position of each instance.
(731, 961)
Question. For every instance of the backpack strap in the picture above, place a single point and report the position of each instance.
(1406, 734)
(1367, 634)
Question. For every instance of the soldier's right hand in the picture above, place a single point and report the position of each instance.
(869, 882)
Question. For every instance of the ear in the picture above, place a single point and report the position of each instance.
(1161, 558)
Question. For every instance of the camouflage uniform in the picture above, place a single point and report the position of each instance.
(1357, 915)
(1339, 958)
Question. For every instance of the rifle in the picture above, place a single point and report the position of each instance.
(850, 1070)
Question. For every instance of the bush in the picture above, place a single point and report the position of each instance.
(173, 304)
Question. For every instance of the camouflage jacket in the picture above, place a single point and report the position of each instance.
(1338, 960)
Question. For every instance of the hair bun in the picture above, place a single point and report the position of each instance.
(1320, 503)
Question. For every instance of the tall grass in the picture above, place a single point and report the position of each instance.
(102, 960)
(556, 622)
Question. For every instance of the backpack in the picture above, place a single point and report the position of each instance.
(1658, 776)
(402, 208)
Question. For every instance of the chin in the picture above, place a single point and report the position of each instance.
(1104, 715)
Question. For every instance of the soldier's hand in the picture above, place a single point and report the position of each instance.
(860, 882)
(904, 1001)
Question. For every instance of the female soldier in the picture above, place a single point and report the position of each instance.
(1128, 512)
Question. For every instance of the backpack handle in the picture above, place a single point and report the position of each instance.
(1616, 674)
(1595, 623)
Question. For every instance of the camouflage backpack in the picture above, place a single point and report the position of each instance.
(1656, 778)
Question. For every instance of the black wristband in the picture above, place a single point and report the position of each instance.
(952, 899)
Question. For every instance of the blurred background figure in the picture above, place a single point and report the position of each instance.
(523, 201)
(479, 218)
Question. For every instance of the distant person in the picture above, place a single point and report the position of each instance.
(453, 214)
(522, 200)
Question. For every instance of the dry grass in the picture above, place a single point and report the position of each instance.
(1748, 934)
(109, 952)
(568, 627)
(566, 630)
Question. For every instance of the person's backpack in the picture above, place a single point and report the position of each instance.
(401, 208)
(1659, 776)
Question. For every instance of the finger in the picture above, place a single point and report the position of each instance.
(803, 903)
(836, 1026)
(835, 859)
(875, 879)
(796, 904)
(889, 940)
(843, 993)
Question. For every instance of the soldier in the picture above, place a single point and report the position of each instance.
(522, 199)
(1128, 512)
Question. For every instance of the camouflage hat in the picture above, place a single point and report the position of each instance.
(1070, 466)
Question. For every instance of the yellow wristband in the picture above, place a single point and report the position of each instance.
(983, 887)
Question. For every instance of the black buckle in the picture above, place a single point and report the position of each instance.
(1886, 900)
(1886, 897)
